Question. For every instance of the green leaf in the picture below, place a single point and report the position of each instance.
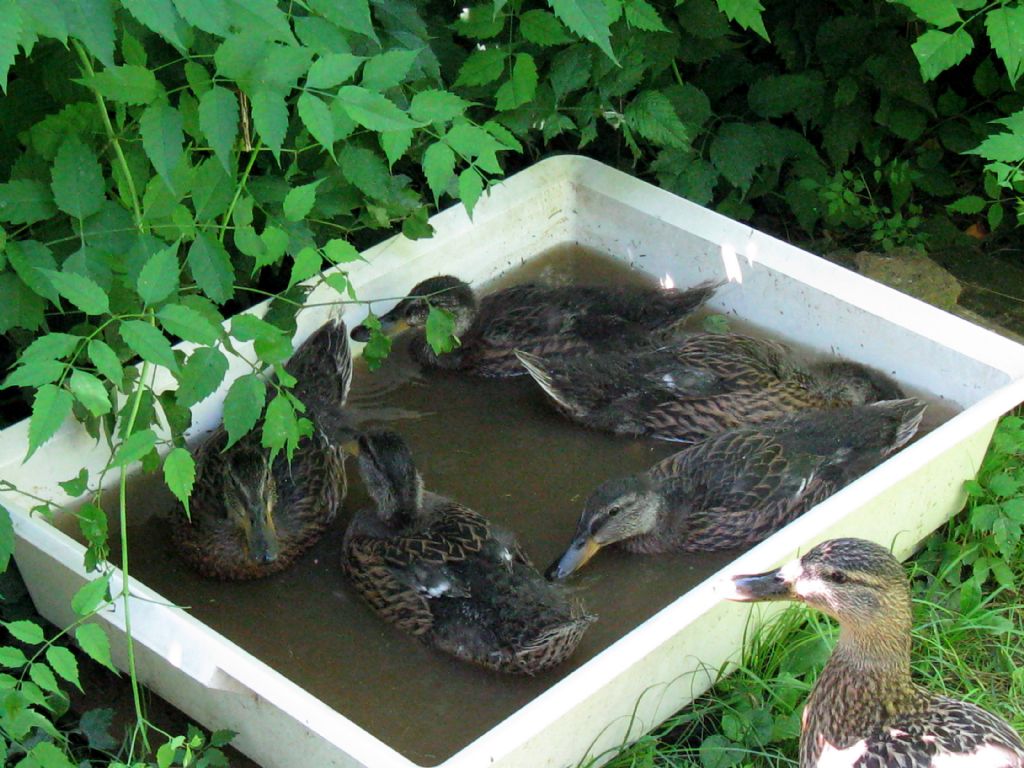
(92, 22)
(937, 51)
(77, 182)
(652, 115)
(642, 15)
(995, 216)
(372, 110)
(353, 15)
(746, 13)
(80, 291)
(1004, 147)
(148, 343)
(106, 362)
(52, 346)
(307, 263)
(92, 521)
(299, 201)
(180, 474)
(439, 167)
(434, 106)
(333, 69)
(801, 94)
(158, 277)
(317, 118)
(188, 324)
(11, 28)
(200, 376)
(77, 485)
(24, 201)
(159, 16)
(482, 67)
(211, 267)
(46, 754)
(6, 538)
(588, 19)
(282, 429)
(12, 657)
(50, 408)
(248, 327)
(94, 642)
(274, 242)
(46, 18)
(480, 22)
(939, 13)
(542, 28)
(243, 405)
(90, 392)
(218, 120)
(366, 170)
(208, 15)
(43, 676)
(25, 631)
(128, 84)
(270, 115)
(471, 186)
(64, 663)
(968, 204)
(395, 144)
(441, 330)
(521, 87)
(1005, 27)
(134, 448)
(162, 138)
(736, 153)
(339, 282)
(34, 373)
(27, 257)
(387, 69)
(340, 251)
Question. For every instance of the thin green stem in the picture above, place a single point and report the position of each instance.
(238, 190)
(112, 135)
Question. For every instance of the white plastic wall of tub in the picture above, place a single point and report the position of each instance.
(661, 665)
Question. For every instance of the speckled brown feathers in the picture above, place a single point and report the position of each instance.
(538, 319)
(442, 572)
(865, 710)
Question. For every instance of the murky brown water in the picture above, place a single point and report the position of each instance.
(493, 445)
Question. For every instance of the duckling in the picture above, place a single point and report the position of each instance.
(698, 386)
(442, 572)
(737, 488)
(865, 710)
(250, 518)
(542, 320)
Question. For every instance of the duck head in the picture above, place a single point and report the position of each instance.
(250, 498)
(445, 292)
(848, 383)
(390, 476)
(618, 510)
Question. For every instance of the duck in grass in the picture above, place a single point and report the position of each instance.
(442, 572)
(737, 488)
(698, 386)
(865, 710)
(250, 517)
(543, 320)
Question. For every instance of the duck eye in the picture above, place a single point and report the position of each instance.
(613, 511)
(837, 577)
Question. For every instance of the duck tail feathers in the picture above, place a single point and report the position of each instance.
(908, 413)
(541, 373)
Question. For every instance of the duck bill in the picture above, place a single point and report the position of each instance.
(263, 543)
(758, 587)
(576, 556)
(391, 324)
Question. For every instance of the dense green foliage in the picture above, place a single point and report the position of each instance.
(165, 164)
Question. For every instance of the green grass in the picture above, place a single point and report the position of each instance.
(968, 638)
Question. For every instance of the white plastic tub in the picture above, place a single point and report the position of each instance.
(657, 668)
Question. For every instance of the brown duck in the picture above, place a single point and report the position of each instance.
(538, 319)
(698, 386)
(250, 518)
(737, 488)
(443, 573)
(865, 710)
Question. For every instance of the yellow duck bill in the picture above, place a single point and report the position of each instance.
(575, 557)
(753, 588)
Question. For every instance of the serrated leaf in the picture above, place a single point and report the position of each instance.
(643, 15)
(937, 51)
(339, 282)
(95, 726)
(25, 201)
(317, 118)
(353, 15)
(588, 19)
(282, 428)
(159, 16)
(395, 144)
(521, 87)
(503, 135)
(333, 69)
(218, 120)
(180, 474)
(50, 408)
(652, 115)
(746, 13)
(106, 362)
(439, 168)
(274, 241)
(388, 69)
(92, 521)
(148, 343)
(80, 291)
(25, 631)
(12, 657)
(1005, 28)
(158, 277)
(482, 67)
(340, 251)
(77, 485)
(64, 663)
(52, 346)
(134, 448)
(299, 201)
(435, 106)
(77, 183)
(969, 204)
(373, 110)
(801, 94)
(542, 28)
(11, 30)
(939, 13)
(736, 153)
(200, 376)
(366, 170)
(471, 186)
(94, 642)
(161, 128)
(208, 15)
(6, 538)
(90, 392)
(93, 24)
(128, 84)
(270, 116)
(188, 324)
(211, 267)
(46, 754)
(307, 263)
(34, 373)
(570, 69)
(1003, 147)
(243, 405)
(440, 330)
(43, 676)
